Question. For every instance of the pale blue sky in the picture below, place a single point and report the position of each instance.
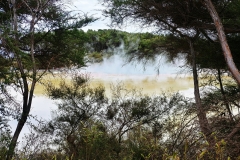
(94, 8)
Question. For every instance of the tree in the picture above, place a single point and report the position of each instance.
(86, 118)
(26, 35)
(74, 127)
(186, 19)
(5, 131)
(223, 41)
(129, 110)
(104, 43)
(226, 50)
(173, 16)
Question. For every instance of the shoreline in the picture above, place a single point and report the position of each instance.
(148, 84)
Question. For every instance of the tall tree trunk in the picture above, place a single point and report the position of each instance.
(27, 95)
(226, 51)
(222, 37)
(203, 121)
(224, 96)
(17, 132)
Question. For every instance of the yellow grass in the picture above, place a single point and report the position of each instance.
(148, 86)
(56, 79)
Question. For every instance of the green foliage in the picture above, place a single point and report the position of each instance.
(87, 125)
(5, 135)
(95, 57)
(74, 127)
(134, 45)
(104, 40)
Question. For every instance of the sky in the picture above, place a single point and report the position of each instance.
(94, 8)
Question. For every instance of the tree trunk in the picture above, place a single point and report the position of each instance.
(226, 51)
(224, 96)
(14, 139)
(27, 95)
(203, 121)
(223, 41)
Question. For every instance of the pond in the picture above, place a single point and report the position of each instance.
(152, 79)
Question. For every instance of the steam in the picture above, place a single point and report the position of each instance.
(118, 64)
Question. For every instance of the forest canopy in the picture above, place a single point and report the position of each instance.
(38, 37)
